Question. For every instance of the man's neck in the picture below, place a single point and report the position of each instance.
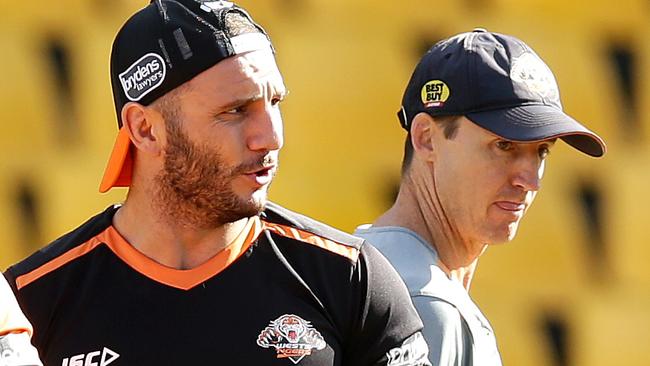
(169, 242)
(417, 209)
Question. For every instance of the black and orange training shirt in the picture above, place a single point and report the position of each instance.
(287, 291)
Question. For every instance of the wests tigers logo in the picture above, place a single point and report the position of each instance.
(292, 337)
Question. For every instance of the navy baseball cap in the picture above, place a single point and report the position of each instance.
(163, 46)
(500, 84)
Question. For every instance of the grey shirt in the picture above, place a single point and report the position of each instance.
(454, 327)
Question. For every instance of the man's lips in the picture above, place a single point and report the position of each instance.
(512, 206)
(263, 175)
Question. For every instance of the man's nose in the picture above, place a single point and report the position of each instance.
(528, 172)
(265, 132)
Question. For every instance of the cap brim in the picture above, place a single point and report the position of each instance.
(119, 167)
(530, 123)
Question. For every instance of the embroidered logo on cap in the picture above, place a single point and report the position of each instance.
(292, 337)
(435, 93)
(531, 71)
(143, 76)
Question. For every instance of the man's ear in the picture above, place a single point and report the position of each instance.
(423, 128)
(143, 125)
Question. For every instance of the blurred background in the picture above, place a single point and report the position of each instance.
(574, 286)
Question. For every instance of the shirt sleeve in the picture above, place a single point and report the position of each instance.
(445, 331)
(389, 330)
(15, 332)
(12, 319)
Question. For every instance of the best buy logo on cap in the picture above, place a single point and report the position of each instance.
(143, 76)
(434, 93)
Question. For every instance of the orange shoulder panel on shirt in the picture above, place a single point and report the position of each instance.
(12, 319)
(181, 279)
(307, 237)
(184, 279)
(70, 255)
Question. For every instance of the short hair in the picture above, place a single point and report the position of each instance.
(448, 123)
(168, 105)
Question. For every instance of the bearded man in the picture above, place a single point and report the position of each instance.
(195, 267)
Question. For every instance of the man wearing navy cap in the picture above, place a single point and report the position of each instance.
(196, 267)
(482, 112)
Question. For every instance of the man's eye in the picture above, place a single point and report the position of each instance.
(276, 101)
(544, 151)
(504, 145)
(236, 110)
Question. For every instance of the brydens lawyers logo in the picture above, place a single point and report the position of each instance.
(292, 337)
(143, 76)
(97, 358)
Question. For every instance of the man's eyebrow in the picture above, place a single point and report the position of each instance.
(247, 100)
(239, 102)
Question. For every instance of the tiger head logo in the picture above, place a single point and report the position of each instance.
(292, 337)
(292, 327)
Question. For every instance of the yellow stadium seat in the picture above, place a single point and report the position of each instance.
(627, 217)
(519, 325)
(611, 326)
(17, 237)
(28, 107)
(68, 185)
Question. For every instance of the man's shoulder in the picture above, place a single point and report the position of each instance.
(445, 331)
(414, 259)
(300, 227)
(437, 311)
(64, 244)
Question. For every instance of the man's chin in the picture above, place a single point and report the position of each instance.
(504, 235)
(511, 232)
(257, 202)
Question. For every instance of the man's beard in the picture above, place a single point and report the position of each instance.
(194, 187)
